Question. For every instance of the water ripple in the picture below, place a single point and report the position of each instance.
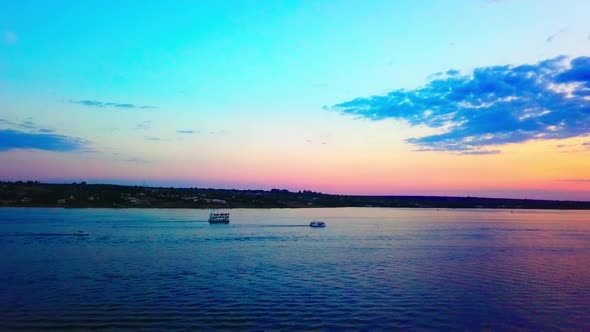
(372, 269)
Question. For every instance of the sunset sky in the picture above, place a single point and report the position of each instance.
(472, 97)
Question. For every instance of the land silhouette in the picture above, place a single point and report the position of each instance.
(82, 195)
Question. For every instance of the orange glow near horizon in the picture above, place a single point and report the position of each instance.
(526, 169)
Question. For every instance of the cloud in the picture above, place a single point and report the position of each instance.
(579, 72)
(480, 152)
(95, 103)
(186, 131)
(576, 180)
(134, 160)
(555, 35)
(128, 158)
(26, 124)
(466, 152)
(14, 139)
(492, 106)
(45, 130)
(150, 138)
(145, 125)
(9, 37)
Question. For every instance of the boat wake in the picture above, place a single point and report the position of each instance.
(45, 234)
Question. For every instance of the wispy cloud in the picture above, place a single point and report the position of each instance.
(151, 138)
(45, 130)
(9, 37)
(492, 106)
(135, 160)
(14, 140)
(96, 103)
(475, 152)
(552, 37)
(28, 125)
(187, 131)
(575, 147)
(309, 141)
(145, 125)
(575, 180)
(480, 152)
(129, 159)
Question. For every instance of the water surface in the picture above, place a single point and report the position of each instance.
(370, 269)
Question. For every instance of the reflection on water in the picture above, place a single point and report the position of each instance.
(369, 269)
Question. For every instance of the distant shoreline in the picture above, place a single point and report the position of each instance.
(82, 195)
(282, 208)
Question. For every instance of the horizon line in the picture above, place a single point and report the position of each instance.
(83, 182)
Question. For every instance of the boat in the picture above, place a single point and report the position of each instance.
(317, 224)
(219, 218)
(80, 233)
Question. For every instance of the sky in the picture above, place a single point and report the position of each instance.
(456, 97)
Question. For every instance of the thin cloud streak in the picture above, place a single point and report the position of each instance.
(145, 125)
(481, 152)
(101, 104)
(28, 125)
(555, 35)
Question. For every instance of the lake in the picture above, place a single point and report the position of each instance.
(369, 269)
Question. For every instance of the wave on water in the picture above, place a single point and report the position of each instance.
(268, 270)
(43, 234)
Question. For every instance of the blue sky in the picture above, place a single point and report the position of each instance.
(142, 87)
(253, 51)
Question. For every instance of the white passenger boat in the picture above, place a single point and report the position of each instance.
(219, 218)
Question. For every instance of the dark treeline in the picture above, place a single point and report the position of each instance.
(33, 193)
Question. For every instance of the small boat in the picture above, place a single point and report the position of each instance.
(80, 233)
(317, 224)
(219, 218)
